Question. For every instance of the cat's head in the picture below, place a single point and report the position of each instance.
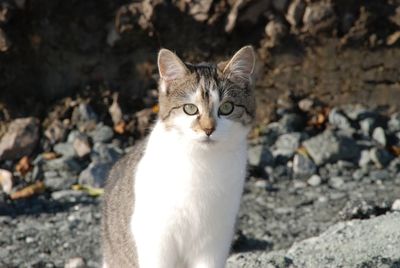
(207, 103)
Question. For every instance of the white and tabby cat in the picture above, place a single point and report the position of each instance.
(173, 202)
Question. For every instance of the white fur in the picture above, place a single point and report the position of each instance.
(187, 194)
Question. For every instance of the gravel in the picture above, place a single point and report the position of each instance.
(356, 243)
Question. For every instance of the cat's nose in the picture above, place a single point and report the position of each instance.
(209, 131)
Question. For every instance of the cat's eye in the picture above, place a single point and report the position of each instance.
(190, 109)
(226, 108)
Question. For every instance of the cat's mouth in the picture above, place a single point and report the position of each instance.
(207, 140)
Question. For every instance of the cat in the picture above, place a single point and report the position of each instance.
(173, 202)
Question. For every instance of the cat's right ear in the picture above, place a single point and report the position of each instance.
(170, 66)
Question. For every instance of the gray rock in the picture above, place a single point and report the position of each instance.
(291, 123)
(379, 175)
(394, 123)
(314, 180)
(36, 173)
(72, 135)
(396, 205)
(55, 132)
(76, 262)
(56, 182)
(81, 145)
(287, 144)
(380, 157)
(6, 181)
(357, 112)
(337, 182)
(105, 153)
(102, 133)
(358, 174)
(63, 163)
(357, 243)
(394, 165)
(379, 135)
(275, 30)
(319, 13)
(295, 12)
(20, 139)
(257, 259)
(328, 147)
(365, 158)
(95, 174)
(260, 156)
(303, 167)
(367, 125)
(86, 113)
(306, 104)
(270, 133)
(67, 195)
(339, 120)
(65, 149)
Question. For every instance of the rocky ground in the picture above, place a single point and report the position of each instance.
(77, 91)
(310, 172)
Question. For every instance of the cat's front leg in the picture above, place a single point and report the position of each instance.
(153, 253)
(155, 248)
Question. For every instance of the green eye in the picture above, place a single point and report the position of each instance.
(226, 108)
(190, 109)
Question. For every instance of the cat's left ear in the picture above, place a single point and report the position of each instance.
(170, 66)
(241, 66)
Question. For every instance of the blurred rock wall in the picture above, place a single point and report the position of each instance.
(53, 48)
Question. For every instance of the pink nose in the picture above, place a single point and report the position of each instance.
(209, 131)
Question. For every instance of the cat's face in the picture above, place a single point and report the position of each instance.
(204, 103)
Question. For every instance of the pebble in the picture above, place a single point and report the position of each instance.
(58, 182)
(102, 133)
(328, 147)
(367, 125)
(66, 195)
(339, 120)
(380, 157)
(86, 113)
(336, 183)
(379, 175)
(65, 149)
(394, 123)
(379, 135)
(295, 12)
(20, 139)
(358, 174)
(55, 132)
(105, 153)
(298, 184)
(365, 158)
(76, 262)
(314, 180)
(95, 175)
(319, 13)
(260, 156)
(303, 167)
(396, 205)
(81, 145)
(357, 112)
(287, 144)
(306, 104)
(63, 163)
(291, 122)
(6, 181)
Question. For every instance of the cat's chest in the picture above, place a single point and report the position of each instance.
(179, 178)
